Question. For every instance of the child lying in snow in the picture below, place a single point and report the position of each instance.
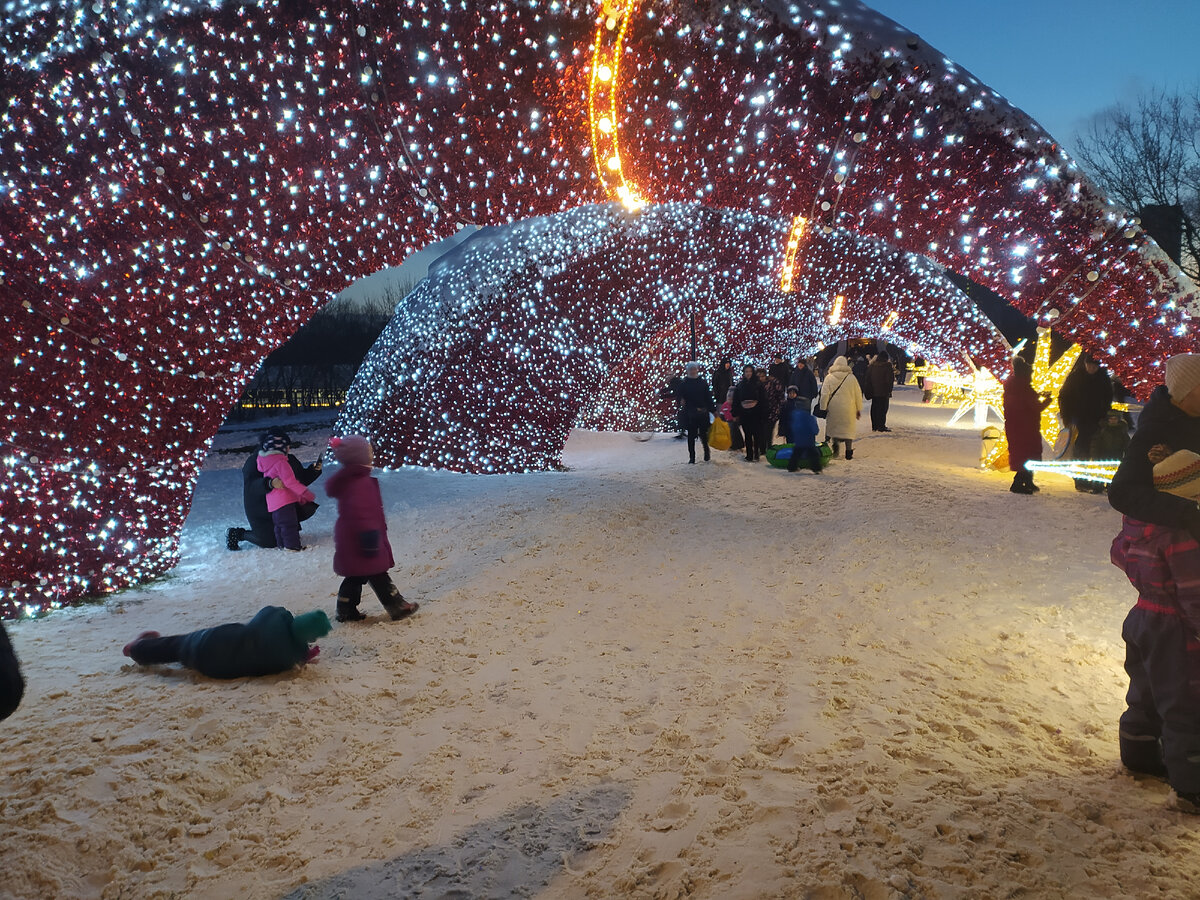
(273, 641)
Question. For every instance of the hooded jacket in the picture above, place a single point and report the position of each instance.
(263, 646)
(1132, 490)
(842, 399)
(276, 465)
(360, 542)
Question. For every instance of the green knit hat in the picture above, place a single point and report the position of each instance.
(310, 626)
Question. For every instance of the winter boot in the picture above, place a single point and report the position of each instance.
(349, 612)
(849, 453)
(837, 448)
(1142, 753)
(397, 607)
(232, 536)
(145, 635)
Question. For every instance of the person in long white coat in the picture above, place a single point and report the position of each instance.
(842, 398)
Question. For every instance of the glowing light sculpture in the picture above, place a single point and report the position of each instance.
(182, 185)
(525, 330)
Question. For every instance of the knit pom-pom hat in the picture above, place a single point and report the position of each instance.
(274, 443)
(1183, 374)
(352, 450)
(311, 625)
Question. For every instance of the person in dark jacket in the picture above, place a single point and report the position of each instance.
(255, 488)
(775, 397)
(722, 381)
(749, 410)
(780, 370)
(1160, 729)
(273, 641)
(1170, 421)
(12, 685)
(1083, 403)
(361, 552)
(805, 382)
(881, 376)
(695, 409)
(1023, 424)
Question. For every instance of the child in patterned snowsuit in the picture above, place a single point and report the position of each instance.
(1160, 729)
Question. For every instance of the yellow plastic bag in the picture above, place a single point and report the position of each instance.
(718, 435)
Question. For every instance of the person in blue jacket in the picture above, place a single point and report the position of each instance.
(800, 428)
(273, 641)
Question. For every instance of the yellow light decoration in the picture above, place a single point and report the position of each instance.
(1047, 379)
(983, 393)
(835, 314)
(787, 279)
(892, 318)
(603, 111)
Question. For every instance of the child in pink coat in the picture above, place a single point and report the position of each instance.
(361, 552)
(283, 502)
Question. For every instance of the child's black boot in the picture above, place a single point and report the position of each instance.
(349, 612)
(1142, 753)
(397, 607)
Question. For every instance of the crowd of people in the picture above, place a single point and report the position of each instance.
(763, 404)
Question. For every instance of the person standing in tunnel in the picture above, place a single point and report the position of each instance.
(1083, 402)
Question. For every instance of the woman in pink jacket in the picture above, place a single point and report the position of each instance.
(283, 502)
(361, 552)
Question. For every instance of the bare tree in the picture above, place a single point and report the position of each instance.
(1150, 156)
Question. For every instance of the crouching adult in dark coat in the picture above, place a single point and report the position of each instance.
(254, 497)
(273, 641)
(12, 685)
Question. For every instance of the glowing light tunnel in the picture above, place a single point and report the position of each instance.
(182, 185)
(522, 331)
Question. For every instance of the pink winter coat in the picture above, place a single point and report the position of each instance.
(276, 465)
(360, 543)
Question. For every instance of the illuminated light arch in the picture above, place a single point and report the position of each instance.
(182, 186)
(499, 352)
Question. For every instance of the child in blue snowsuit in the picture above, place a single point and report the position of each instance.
(800, 428)
(273, 641)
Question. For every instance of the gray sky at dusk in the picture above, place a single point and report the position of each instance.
(1062, 61)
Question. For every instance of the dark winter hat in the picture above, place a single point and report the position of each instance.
(1179, 474)
(1183, 374)
(274, 443)
(352, 450)
(311, 625)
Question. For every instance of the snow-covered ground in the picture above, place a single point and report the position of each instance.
(635, 678)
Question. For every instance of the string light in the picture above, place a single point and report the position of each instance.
(182, 185)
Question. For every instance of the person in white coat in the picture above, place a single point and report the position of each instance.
(842, 399)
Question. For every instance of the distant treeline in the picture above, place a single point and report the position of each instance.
(314, 369)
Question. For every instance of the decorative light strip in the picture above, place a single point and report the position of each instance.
(787, 279)
(835, 314)
(892, 318)
(603, 110)
(1083, 469)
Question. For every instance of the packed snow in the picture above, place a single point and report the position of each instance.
(632, 678)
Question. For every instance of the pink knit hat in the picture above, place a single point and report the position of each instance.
(1179, 474)
(352, 450)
